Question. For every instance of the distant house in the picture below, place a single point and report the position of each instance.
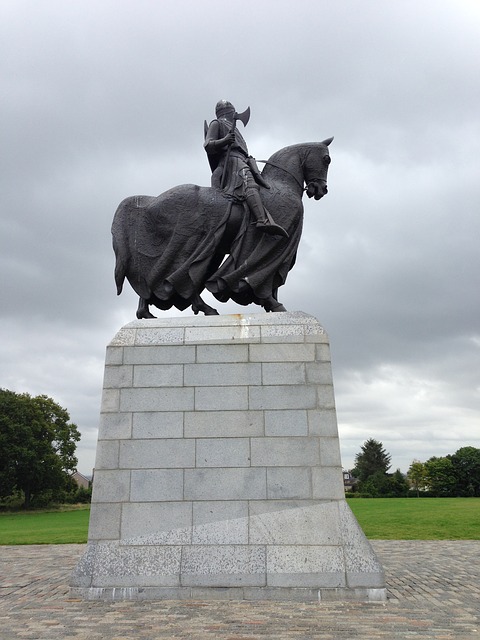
(348, 481)
(81, 480)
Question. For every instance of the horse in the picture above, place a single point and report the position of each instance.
(190, 238)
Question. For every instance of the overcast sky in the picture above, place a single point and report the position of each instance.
(102, 99)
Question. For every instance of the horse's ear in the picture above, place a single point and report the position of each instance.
(327, 141)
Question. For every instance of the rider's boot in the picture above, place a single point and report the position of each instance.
(265, 222)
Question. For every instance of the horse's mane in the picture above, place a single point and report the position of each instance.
(301, 149)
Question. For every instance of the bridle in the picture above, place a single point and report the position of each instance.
(277, 166)
(311, 179)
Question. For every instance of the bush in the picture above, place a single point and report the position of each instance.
(80, 496)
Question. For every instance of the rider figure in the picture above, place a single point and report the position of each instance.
(234, 170)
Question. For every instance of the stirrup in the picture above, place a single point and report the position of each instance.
(272, 229)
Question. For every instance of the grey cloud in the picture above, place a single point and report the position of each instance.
(105, 100)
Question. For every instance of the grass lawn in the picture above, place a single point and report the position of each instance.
(45, 527)
(380, 519)
(418, 518)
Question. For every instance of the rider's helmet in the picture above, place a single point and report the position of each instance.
(224, 108)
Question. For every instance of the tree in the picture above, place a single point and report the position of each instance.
(398, 484)
(37, 445)
(384, 485)
(373, 458)
(417, 475)
(440, 476)
(376, 485)
(466, 467)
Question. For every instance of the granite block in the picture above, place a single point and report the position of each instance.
(327, 483)
(322, 422)
(220, 374)
(223, 452)
(119, 566)
(157, 424)
(223, 566)
(180, 354)
(158, 375)
(107, 455)
(318, 373)
(156, 485)
(165, 399)
(225, 484)
(282, 397)
(151, 335)
(322, 352)
(110, 400)
(156, 523)
(289, 482)
(286, 423)
(289, 451)
(298, 352)
(166, 453)
(330, 452)
(104, 521)
(222, 353)
(305, 566)
(274, 373)
(222, 334)
(116, 377)
(111, 486)
(114, 355)
(283, 334)
(125, 337)
(362, 565)
(220, 522)
(326, 396)
(115, 426)
(225, 424)
(294, 522)
(221, 398)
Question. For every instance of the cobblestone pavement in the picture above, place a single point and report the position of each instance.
(433, 587)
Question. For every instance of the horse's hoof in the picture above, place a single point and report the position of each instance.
(207, 310)
(210, 311)
(274, 308)
(145, 315)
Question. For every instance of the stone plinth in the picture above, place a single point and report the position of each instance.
(218, 470)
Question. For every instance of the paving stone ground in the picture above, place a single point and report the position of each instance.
(433, 589)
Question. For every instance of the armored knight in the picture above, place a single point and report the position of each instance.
(234, 171)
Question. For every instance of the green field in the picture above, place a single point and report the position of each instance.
(418, 518)
(45, 527)
(380, 518)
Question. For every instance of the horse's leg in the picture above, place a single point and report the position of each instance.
(272, 304)
(143, 312)
(200, 305)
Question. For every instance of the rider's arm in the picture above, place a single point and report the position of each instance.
(213, 143)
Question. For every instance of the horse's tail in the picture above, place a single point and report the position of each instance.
(119, 275)
(120, 248)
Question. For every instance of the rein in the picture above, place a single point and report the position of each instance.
(277, 166)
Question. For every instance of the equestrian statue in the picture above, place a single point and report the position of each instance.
(237, 238)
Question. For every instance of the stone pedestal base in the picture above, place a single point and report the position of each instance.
(218, 469)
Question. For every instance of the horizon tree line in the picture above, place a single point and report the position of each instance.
(453, 475)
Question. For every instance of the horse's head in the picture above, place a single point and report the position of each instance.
(315, 169)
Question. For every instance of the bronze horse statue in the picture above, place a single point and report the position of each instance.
(190, 238)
